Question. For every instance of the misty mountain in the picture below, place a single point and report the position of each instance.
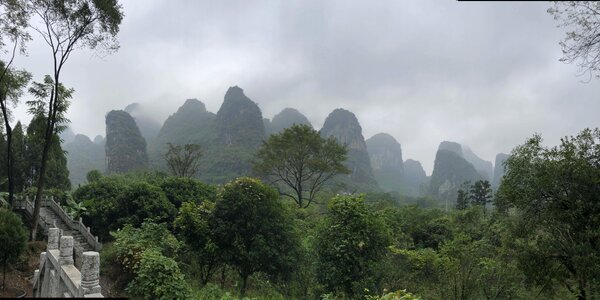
(342, 125)
(148, 126)
(83, 155)
(451, 146)
(499, 169)
(239, 131)
(450, 172)
(190, 124)
(415, 179)
(67, 135)
(286, 118)
(385, 154)
(268, 129)
(484, 167)
(125, 145)
(99, 140)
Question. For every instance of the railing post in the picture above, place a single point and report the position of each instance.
(53, 238)
(90, 274)
(66, 251)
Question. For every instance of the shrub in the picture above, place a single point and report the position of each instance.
(13, 238)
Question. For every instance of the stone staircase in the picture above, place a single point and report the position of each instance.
(52, 215)
(52, 220)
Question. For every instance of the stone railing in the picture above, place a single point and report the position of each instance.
(76, 225)
(57, 277)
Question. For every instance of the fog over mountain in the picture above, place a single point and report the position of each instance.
(484, 74)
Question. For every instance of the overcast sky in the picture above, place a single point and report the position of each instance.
(483, 74)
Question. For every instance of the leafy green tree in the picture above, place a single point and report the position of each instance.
(58, 173)
(180, 190)
(192, 224)
(481, 193)
(158, 277)
(19, 156)
(462, 199)
(350, 240)
(253, 230)
(114, 201)
(13, 238)
(299, 161)
(66, 26)
(13, 24)
(93, 176)
(183, 160)
(555, 191)
(136, 264)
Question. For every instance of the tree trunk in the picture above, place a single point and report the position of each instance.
(243, 286)
(9, 156)
(40, 183)
(4, 275)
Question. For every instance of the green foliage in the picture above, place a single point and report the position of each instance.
(131, 242)
(158, 277)
(179, 190)
(462, 199)
(13, 238)
(481, 193)
(300, 162)
(75, 209)
(113, 201)
(93, 176)
(555, 193)
(253, 230)
(57, 173)
(397, 295)
(192, 225)
(348, 242)
(183, 160)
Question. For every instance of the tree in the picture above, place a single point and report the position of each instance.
(555, 191)
(299, 161)
(13, 238)
(253, 230)
(13, 22)
(66, 26)
(349, 242)
(180, 190)
(462, 199)
(481, 193)
(192, 224)
(183, 160)
(58, 173)
(19, 157)
(582, 41)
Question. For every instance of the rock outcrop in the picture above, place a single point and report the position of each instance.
(450, 172)
(385, 154)
(343, 125)
(483, 167)
(286, 118)
(125, 147)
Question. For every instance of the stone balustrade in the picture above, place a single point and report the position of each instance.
(57, 277)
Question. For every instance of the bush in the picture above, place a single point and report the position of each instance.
(182, 189)
(13, 238)
(158, 277)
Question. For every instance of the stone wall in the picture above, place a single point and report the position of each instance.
(57, 277)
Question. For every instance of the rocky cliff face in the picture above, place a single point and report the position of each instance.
(414, 179)
(385, 155)
(125, 147)
(452, 147)
(499, 169)
(239, 121)
(286, 118)
(190, 124)
(450, 171)
(483, 167)
(342, 125)
(83, 155)
(239, 131)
